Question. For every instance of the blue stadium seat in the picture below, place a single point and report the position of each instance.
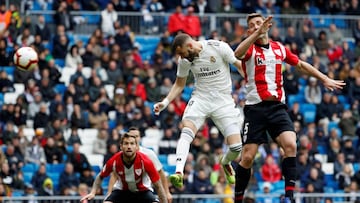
(30, 167)
(55, 178)
(112, 124)
(27, 176)
(96, 168)
(343, 99)
(92, 19)
(60, 62)
(49, 18)
(17, 193)
(340, 23)
(8, 69)
(60, 88)
(169, 168)
(356, 167)
(56, 168)
(309, 116)
(307, 107)
(163, 158)
(322, 149)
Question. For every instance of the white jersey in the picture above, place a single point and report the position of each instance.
(151, 154)
(211, 69)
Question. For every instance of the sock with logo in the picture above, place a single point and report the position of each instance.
(183, 147)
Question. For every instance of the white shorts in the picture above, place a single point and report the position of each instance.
(217, 106)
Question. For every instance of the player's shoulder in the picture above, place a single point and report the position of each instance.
(213, 43)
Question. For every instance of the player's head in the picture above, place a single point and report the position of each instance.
(184, 47)
(135, 132)
(254, 20)
(128, 144)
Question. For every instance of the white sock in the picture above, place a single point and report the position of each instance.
(231, 154)
(183, 147)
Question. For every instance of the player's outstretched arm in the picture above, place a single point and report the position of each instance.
(160, 191)
(244, 45)
(95, 187)
(329, 83)
(176, 89)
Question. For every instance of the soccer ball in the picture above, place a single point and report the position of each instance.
(26, 58)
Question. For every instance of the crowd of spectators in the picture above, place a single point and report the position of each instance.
(114, 59)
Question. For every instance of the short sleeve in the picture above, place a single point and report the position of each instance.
(291, 58)
(151, 154)
(227, 53)
(183, 68)
(108, 167)
(150, 169)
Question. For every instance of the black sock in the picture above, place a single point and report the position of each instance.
(289, 172)
(242, 176)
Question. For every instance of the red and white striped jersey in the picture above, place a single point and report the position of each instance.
(137, 177)
(263, 71)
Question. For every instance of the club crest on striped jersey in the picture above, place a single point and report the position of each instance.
(212, 59)
(138, 171)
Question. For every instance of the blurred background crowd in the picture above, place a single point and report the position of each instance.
(61, 121)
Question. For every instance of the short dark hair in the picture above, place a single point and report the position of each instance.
(127, 135)
(253, 15)
(179, 40)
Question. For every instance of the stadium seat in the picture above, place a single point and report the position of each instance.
(28, 176)
(96, 169)
(86, 71)
(304, 107)
(328, 168)
(340, 23)
(309, 116)
(29, 167)
(170, 169)
(10, 97)
(56, 168)
(109, 90)
(322, 149)
(60, 88)
(60, 62)
(19, 88)
(92, 19)
(163, 158)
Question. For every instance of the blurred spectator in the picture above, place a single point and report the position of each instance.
(77, 118)
(114, 73)
(353, 8)
(96, 116)
(292, 37)
(88, 57)
(270, 171)
(74, 137)
(73, 57)
(354, 90)
(47, 189)
(35, 152)
(334, 150)
(334, 51)
(54, 155)
(309, 48)
(176, 21)
(344, 176)
(108, 18)
(86, 177)
(302, 164)
(99, 71)
(5, 17)
(63, 17)
(14, 157)
(295, 114)
(353, 189)
(202, 183)
(9, 131)
(192, 23)
(167, 144)
(349, 151)
(94, 88)
(313, 93)
(348, 124)
(43, 29)
(41, 118)
(123, 40)
(7, 175)
(60, 47)
(39, 177)
(68, 179)
(335, 34)
(112, 149)
(152, 90)
(5, 83)
(314, 179)
(25, 38)
(47, 91)
(310, 188)
(99, 145)
(77, 159)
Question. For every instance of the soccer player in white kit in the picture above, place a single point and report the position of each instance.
(209, 62)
